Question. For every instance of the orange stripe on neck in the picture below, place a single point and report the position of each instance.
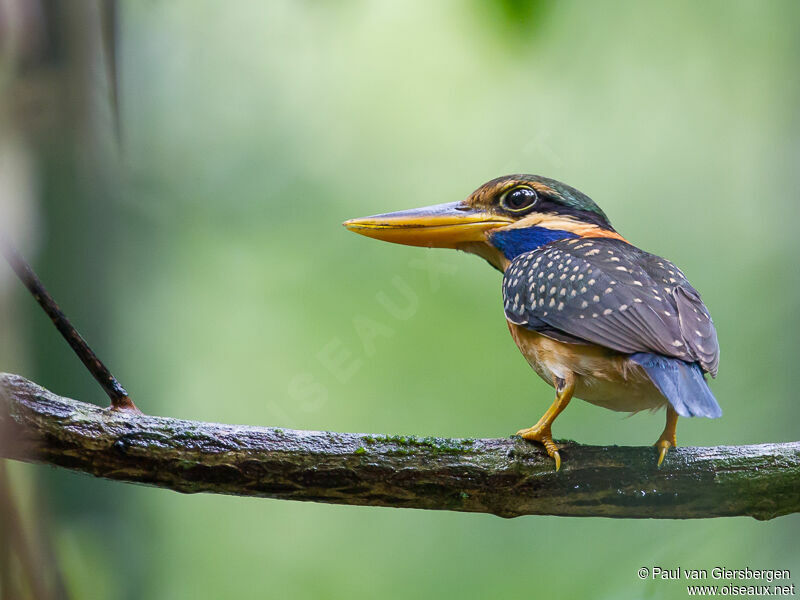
(599, 232)
(567, 223)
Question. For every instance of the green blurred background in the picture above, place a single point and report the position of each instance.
(207, 263)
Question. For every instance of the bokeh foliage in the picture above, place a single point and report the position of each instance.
(252, 129)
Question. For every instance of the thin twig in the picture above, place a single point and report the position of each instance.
(505, 477)
(118, 395)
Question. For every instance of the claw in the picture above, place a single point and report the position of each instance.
(541, 431)
(544, 437)
(663, 446)
(667, 439)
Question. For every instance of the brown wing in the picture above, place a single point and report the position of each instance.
(610, 293)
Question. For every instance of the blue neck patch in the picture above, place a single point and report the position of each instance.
(513, 242)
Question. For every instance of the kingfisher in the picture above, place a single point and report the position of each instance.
(594, 316)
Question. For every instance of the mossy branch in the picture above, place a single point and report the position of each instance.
(505, 477)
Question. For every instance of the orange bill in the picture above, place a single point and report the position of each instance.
(440, 226)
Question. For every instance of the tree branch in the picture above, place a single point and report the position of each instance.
(505, 477)
(116, 393)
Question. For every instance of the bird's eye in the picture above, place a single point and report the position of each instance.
(518, 199)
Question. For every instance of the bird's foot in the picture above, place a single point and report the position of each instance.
(664, 443)
(541, 434)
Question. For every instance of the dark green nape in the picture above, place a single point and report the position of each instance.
(570, 196)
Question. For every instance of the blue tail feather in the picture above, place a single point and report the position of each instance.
(681, 383)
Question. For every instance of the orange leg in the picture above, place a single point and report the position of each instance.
(541, 431)
(667, 439)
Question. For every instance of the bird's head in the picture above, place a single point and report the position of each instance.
(500, 220)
